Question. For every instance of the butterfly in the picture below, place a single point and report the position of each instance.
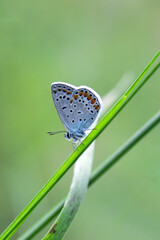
(77, 107)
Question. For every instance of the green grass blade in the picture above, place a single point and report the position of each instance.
(47, 218)
(77, 153)
(125, 148)
(103, 168)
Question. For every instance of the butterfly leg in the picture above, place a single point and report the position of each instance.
(74, 145)
(81, 142)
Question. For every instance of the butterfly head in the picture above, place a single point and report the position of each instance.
(75, 135)
(68, 136)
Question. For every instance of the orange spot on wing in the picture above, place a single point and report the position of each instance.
(96, 107)
(68, 92)
(80, 93)
(85, 94)
(75, 97)
(64, 90)
(54, 91)
(89, 97)
(93, 101)
(59, 89)
(71, 101)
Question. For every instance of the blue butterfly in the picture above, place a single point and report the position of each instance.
(77, 107)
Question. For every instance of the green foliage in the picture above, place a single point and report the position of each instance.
(91, 43)
(80, 149)
(96, 175)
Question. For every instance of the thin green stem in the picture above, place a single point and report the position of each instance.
(103, 168)
(37, 227)
(77, 153)
(125, 148)
(76, 194)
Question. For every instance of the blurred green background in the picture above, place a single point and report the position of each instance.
(91, 43)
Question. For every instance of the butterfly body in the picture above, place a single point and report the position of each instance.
(77, 107)
(75, 135)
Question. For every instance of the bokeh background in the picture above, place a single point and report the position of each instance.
(91, 43)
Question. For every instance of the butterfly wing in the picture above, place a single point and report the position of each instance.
(62, 95)
(86, 106)
(77, 107)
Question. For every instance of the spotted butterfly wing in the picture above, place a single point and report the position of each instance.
(62, 94)
(86, 106)
(77, 107)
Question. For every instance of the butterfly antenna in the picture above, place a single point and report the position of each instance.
(53, 133)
